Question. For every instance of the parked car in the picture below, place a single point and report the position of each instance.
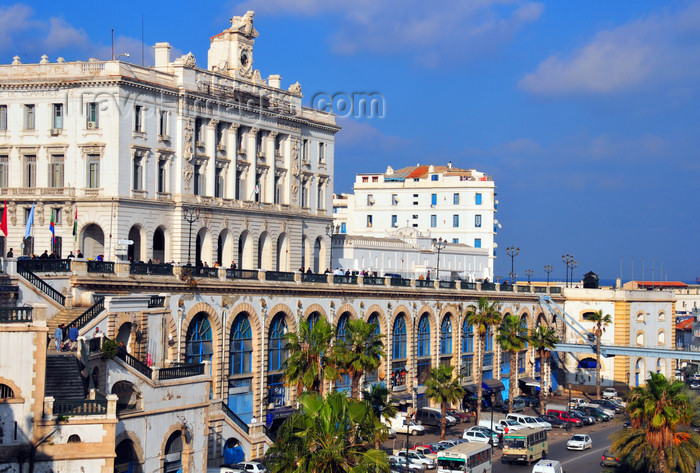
(479, 436)
(556, 422)
(576, 402)
(563, 415)
(528, 400)
(427, 450)
(607, 404)
(518, 406)
(248, 467)
(587, 420)
(449, 418)
(485, 430)
(694, 384)
(448, 443)
(395, 461)
(596, 413)
(461, 416)
(609, 459)
(609, 393)
(529, 421)
(579, 442)
(417, 457)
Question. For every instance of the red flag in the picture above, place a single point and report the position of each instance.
(3, 224)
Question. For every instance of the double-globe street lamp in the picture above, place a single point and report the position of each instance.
(439, 245)
(191, 215)
(568, 260)
(548, 269)
(331, 231)
(529, 273)
(512, 251)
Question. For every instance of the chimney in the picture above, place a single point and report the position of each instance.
(162, 52)
(275, 80)
(449, 165)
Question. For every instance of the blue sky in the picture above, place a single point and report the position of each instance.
(586, 113)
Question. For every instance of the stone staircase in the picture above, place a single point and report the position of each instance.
(65, 316)
(63, 378)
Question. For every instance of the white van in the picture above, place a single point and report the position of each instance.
(547, 466)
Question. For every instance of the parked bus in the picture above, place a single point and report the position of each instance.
(525, 445)
(465, 457)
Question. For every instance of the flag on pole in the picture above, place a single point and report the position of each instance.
(30, 222)
(53, 230)
(257, 188)
(75, 225)
(3, 223)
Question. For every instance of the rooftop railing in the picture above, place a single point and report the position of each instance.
(181, 371)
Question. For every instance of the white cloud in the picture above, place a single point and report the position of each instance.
(657, 49)
(454, 30)
(14, 19)
(61, 35)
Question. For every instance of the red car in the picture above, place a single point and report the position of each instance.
(563, 415)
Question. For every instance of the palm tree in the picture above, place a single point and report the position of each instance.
(326, 435)
(359, 352)
(655, 443)
(484, 316)
(441, 388)
(378, 399)
(601, 322)
(512, 338)
(309, 362)
(543, 340)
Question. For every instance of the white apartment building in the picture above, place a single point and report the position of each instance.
(443, 202)
(135, 150)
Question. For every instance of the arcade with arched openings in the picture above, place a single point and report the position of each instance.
(92, 241)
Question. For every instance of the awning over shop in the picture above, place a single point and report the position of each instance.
(471, 388)
(492, 384)
(530, 382)
(278, 414)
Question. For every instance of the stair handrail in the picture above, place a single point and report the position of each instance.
(135, 363)
(236, 420)
(83, 319)
(42, 285)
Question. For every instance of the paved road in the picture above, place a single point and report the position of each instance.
(573, 461)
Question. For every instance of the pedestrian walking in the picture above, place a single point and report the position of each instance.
(58, 337)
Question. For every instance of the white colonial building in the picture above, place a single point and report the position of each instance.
(136, 151)
(443, 202)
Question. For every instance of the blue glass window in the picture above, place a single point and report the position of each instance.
(477, 242)
(435, 177)
(198, 343)
(343, 227)
(467, 337)
(455, 199)
(399, 342)
(241, 350)
(489, 339)
(455, 221)
(446, 336)
(277, 343)
(523, 325)
(423, 336)
(433, 199)
(433, 221)
(477, 198)
(373, 376)
(477, 221)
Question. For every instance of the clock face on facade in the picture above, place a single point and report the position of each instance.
(245, 59)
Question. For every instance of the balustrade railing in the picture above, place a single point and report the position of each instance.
(505, 288)
(42, 285)
(373, 281)
(156, 301)
(9, 315)
(46, 265)
(135, 363)
(400, 282)
(338, 279)
(469, 286)
(279, 276)
(425, 283)
(181, 371)
(241, 274)
(555, 290)
(448, 284)
(202, 271)
(151, 269)
(524, 289)
(236, 420)
(100, 267)
(83, 319)
(540, 290)
(80, 407)
(318, 278)
(488, 286)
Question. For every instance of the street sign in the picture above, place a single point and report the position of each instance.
(125, 242)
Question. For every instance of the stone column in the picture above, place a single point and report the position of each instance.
(248, 189)
(210, 147)
(269, 146)
(232, 153)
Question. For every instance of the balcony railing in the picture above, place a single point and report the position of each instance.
(279, 276)
(151, 269)
(469, 286)
(540, 290)
(202, 271)
(505, 288)
(317, 278)
(236, 420)
(373, 281)
(181, 371)
(338, 279)
(100, 267)
(555, 290)
(80, 407)
(400, 282)
(9, 315)
(488, 286)
(38, 265)
(448, 284)
(524, 289)
(425, 283)
(241, 274)
(135, 363)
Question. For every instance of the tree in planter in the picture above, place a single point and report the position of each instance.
(441, 388)
(513, 338)
(543, 340)
(483, 316)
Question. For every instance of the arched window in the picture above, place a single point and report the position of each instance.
(489, 338)
(446, 336)
(467, 349)
(74, 438)
(373, 376)
(342, 326)
(661, 339)
(6, 392)
(277, 343)
(173, 453)
(523, 325)
(423, 347)
(398, 365)
(658, 366)
(343, 383)
(241, 350)
(198, 343)
(662, 316)
(312, 319)
(640, 317)
(640, 339)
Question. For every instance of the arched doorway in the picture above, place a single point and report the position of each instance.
(172, 461)
(129, 397)
(159, 246)
(224, 249)
(127, 459)
(233, 453)
(282, 263)
(203, 250)
(124, 335)
(134, 250)
(220, 248)
(245, 251)
(264, 252)
(93, 241)
(639, 374)
(374, 376)
(398, 352)
(317, 256)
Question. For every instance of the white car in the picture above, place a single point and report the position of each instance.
(579, 442)
(417, 457)
(393, 459)
(478, 436)
(243, 467)
(609, 393)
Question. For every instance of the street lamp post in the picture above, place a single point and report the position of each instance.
(567, 259)
(529, 273)
(440, 245)
(512, 251)
(548, 269)
(331, 230)
(573, 265)
(191, 215)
